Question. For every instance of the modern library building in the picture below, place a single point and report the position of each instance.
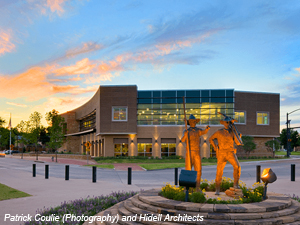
(124, 121)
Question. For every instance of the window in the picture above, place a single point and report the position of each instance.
(168, 149)
(121, 149)
(240, 117)
(262, 118)
(145, 149)
(119, 114)
(88, 122)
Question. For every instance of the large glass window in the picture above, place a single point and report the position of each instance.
(145, 149)
(121, 149)
(262, 118)
(166, 108)
(119, 113)
(240, 117)
(168, 149)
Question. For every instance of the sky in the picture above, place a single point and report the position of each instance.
(54, 54)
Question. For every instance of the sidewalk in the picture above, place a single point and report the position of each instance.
(50, 192)
(118, 166)
(59, 160)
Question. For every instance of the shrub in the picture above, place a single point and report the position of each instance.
(197, 197)
(253, 194)
(86, 207)
(180, 196)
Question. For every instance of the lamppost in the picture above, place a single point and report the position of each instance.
(288, 137)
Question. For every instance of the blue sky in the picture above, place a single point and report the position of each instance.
(56, 53)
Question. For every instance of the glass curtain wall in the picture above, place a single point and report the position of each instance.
(166, 108)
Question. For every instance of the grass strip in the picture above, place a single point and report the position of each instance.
(10, 193)
(284, 153)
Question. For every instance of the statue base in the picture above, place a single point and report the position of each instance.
(234, 192)
(148, 207)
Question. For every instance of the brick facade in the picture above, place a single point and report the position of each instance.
(103, 132)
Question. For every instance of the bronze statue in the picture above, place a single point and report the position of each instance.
(225, 150)
(192, 138)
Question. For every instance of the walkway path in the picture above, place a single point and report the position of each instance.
(41, 159)
(124, 166)
(80, 162)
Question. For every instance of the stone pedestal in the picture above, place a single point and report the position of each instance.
(277, 209)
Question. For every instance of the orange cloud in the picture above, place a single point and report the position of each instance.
(33, 84)
(5, 42)
(81, 67)
(61, 104)
(16, 104)
(56, 6)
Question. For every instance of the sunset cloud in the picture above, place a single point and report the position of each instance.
(6, 44)
(16, 104)
(33, 85)
(56, 6)
(61, 104)
(83, 66)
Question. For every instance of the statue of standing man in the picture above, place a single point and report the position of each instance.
(226, 151)
(192, 138)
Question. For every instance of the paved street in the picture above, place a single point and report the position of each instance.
(17, 173)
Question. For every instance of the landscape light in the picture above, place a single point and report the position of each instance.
(267, 176)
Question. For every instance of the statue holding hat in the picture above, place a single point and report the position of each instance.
(226, 151)
(192, 138)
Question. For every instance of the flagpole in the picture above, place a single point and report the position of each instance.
(10, 135)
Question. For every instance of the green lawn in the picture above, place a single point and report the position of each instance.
(9, 193)
(159, 166)
(284, 153)
(135, 160)
(156, 164)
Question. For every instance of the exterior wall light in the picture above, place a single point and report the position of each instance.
(204, 141)
(156, 141)
(179, 141)
(267, 176)
(131, 141)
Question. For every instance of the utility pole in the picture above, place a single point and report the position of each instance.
(288, 133)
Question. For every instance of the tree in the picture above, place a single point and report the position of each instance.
(24, 130)
(4, 137)
(2, 121)
(295, 139)
(249, 144)
(44, 135)
(272, 146)
(56, 131)
(35, 128)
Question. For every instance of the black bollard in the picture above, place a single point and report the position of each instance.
(129, 176)
(46, 171)
(176, 176)
(258, 173)
(67, 172)
(293, 170)
(94, 174)
(33, 170)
